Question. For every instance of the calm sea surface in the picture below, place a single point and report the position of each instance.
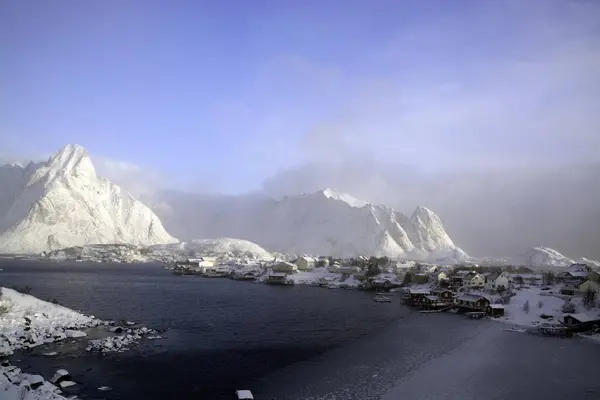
(292, 342)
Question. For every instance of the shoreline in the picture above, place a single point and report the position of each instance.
(27, 322)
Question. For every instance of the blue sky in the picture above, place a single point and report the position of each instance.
(224, 94)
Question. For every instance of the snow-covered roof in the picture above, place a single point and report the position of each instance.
(497, 306)
(419, 291)
(579, 274)
(583, 317)
(470, 297)
(432, 298)
(308, 259)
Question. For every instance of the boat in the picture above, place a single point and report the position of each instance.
(380, 298)
(244, 395)
(554, 330)
(475, 314)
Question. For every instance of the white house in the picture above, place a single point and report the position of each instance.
(442, 276)
(306, 263)
(474, 280)
(343, 269)
(284, 266)
(504, 280)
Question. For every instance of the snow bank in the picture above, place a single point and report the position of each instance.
(26, 321)
(29, 322)
(540, 303)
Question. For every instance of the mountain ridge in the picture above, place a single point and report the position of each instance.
(325, 222)
(63, 203)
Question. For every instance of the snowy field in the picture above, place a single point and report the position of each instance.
(539, 303)
(26, 321)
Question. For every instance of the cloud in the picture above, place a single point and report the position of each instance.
(499, 136)
(139, 181)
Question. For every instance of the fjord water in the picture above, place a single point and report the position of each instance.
(292, 342)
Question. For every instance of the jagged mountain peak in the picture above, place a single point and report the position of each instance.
(73, 159)
(345, 197)
(62, 203)
(325, 222)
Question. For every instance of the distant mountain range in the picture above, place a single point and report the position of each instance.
(325, 222)
(63, 203)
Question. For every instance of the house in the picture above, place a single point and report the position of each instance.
(578, 267)
(306, 263)
(495, 310)
(432, 301)
(277, 278)
(417, 296)
(573, 282)
(472, 301)
(456, 281)
(504, 280)
(323, 261)
(402, 266)
(442, 276)
(284, 266)
(420, 278)
(202, 261)
(473, 280)
(581, 322)
(334, 267)
(574, 276)
(343, 269)
(445, 295)
(430, 269)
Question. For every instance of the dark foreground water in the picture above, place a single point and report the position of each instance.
(293, 342)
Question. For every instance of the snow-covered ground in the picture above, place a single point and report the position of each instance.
(540, 303)
(26, 321)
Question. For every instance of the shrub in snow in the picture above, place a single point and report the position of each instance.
(540, 304)
(526, 307)
(568, 307)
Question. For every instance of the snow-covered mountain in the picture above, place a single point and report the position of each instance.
(325, 222)
(540, 258)
(219, 247)
(63, 203)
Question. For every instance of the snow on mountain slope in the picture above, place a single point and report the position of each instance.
(219, 246)
(322, 223)
(346, 198)
(541, 257)
(62, 203)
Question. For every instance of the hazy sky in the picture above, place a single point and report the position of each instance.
(405, 102)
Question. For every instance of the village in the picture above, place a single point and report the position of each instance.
(557, 303)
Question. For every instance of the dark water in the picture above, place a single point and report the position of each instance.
(293, 342)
